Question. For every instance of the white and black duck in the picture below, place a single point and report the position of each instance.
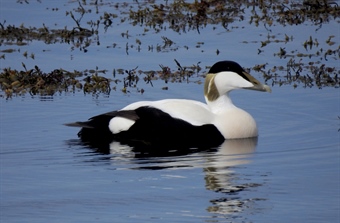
(187, 123)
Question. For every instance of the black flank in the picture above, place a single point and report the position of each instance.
(153, 128)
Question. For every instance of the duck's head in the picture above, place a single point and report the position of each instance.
(225, 76)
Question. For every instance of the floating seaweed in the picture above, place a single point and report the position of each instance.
(297, 73)
(35, 82)
(181, 17)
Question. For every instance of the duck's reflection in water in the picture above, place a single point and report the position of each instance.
(219, 165)
(221, 176)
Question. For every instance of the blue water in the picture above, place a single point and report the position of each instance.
(291, 173)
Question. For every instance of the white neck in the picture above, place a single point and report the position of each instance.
(221, 104)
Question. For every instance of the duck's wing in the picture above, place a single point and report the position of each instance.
(150, 126)
(104, 119)
(158, 128)
(96, 132)
(194, 112)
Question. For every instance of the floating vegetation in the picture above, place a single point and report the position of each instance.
(35, 82)
(305, 66)
(297, 73)
(178, 15)
(182, 16)
(12, 35)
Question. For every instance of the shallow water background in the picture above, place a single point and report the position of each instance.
(291, 173)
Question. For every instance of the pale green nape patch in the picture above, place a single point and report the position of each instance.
(210, 89)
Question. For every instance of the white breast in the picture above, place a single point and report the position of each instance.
(236, 123)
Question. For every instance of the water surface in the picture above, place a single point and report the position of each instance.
(290, 173)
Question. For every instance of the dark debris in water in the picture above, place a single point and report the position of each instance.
(20, 36)
(36, 82)
(296, 73)
(181, 17)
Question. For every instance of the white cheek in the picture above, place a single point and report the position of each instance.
(119, 124)
(229, 80)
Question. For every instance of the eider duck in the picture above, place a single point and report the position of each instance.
(174, 122)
